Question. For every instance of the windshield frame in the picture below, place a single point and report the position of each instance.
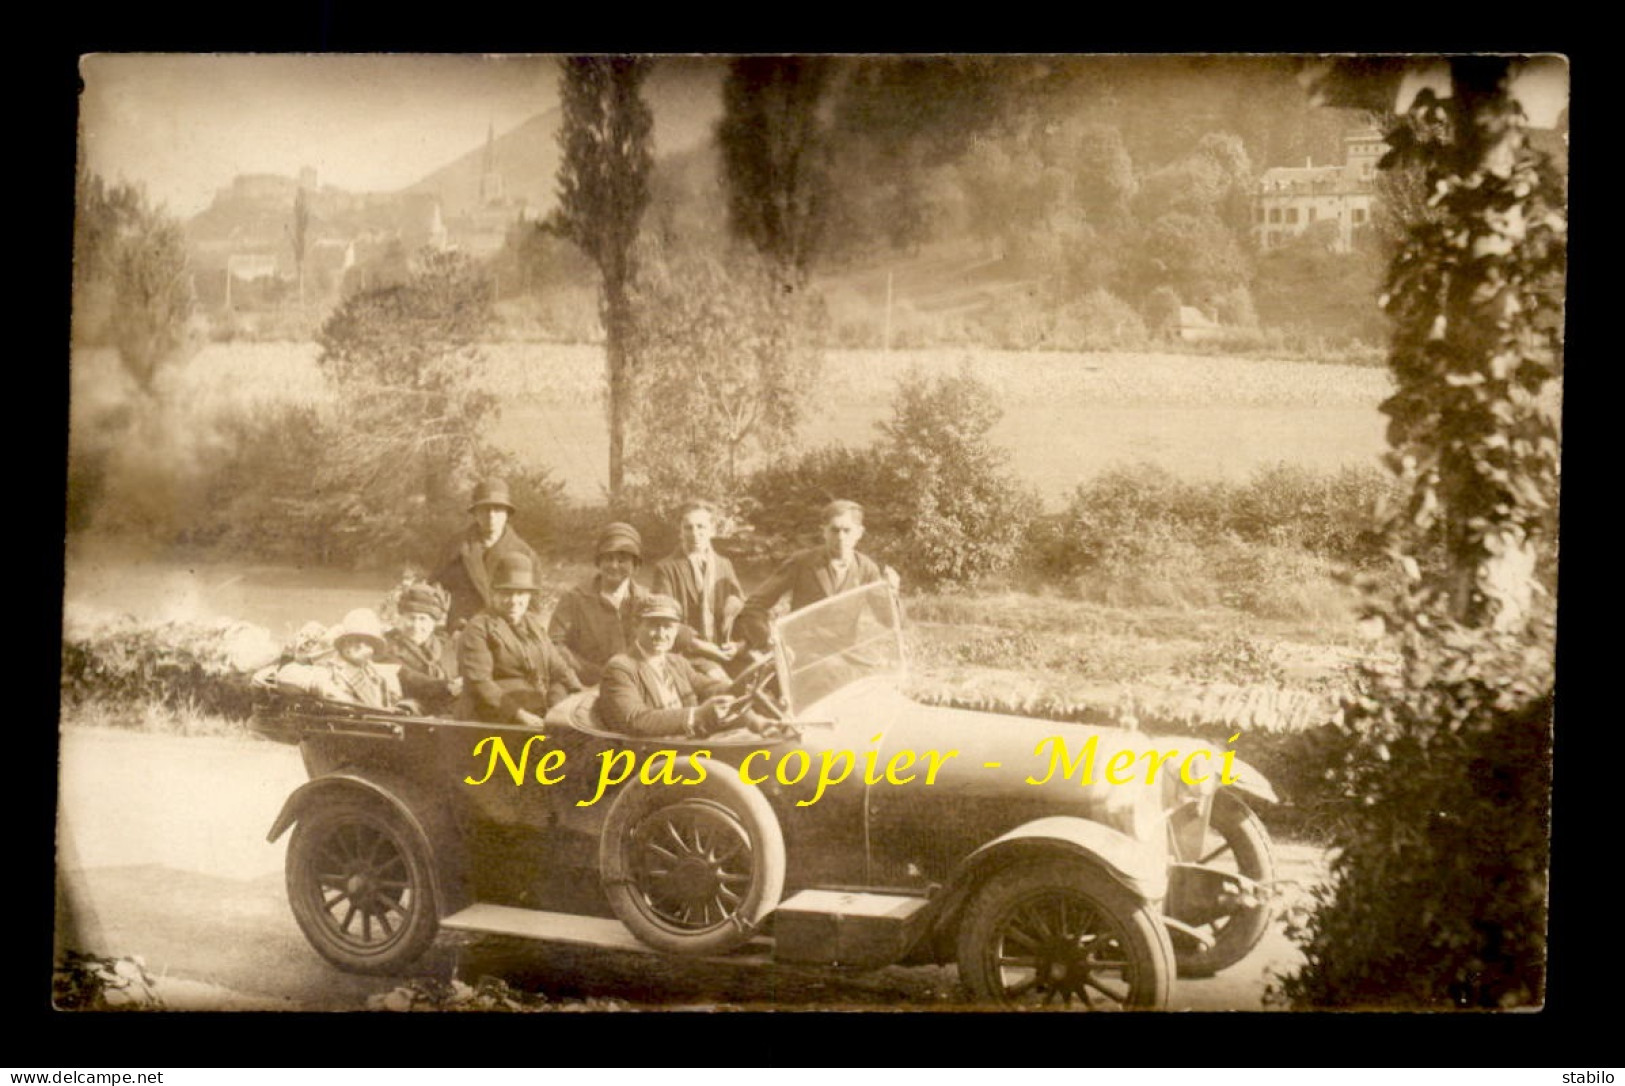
(781, 654)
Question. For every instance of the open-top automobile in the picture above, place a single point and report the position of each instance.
(857, 830)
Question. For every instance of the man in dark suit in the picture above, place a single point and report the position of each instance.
(704, 585)
(813, 574)
(466, 573)
(651, 691)
(511, 672)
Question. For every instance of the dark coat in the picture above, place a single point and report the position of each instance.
(507, 668)
(589, 631)
(803, 579)
(466, 573)
(674, 576)
(424, 669)
(630, 700)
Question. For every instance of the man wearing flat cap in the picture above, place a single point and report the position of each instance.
(466, 573)
(649, 690)
(597, 619)
(511, 672)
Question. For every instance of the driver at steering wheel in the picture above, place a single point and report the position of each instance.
(651, 691)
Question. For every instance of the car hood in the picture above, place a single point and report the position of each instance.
(1011, 755)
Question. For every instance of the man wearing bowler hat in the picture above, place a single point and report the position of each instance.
(511, 672)
(466, 574)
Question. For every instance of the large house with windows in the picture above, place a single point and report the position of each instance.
(1291, 199)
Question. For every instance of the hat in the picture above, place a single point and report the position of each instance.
(423, 599)
(361, 623)
(620, 537)
(515, 573)
(491, 491)
(656, 606)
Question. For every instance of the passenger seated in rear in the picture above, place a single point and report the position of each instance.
(428, 664)
(511, 672)
(351, 675)
(651, 691)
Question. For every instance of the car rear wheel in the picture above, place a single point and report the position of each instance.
(1062, 935)
(693, 869)
(359, 885)
(1231, 911)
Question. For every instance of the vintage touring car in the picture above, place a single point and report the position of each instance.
(935, 845)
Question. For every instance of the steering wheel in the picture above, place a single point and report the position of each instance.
(752, 684)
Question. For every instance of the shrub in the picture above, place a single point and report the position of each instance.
(940, 502)
(90, 982)
(1439, 783)
(782, 500)
(122, 662)
(1099, 321)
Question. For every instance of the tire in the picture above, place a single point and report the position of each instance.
(693, 869)
(360, 887)
(1237, 843)
(1089, 943)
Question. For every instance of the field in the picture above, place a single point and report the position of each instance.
(1067, 415)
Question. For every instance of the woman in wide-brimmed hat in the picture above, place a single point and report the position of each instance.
(352, 676)
(511, 672)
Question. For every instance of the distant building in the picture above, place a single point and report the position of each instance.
(1291, 199)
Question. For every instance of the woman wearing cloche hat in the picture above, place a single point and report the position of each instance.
(466, 573)
(597, 619)
(511, 672)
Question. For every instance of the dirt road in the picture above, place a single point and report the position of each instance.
(162, 853)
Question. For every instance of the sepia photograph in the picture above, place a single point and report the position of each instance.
(923, 533)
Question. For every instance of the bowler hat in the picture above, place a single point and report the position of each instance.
(423, 599)
(515, 573)
(654, 607)
(491, 491)
(620, 537)
(363, 624)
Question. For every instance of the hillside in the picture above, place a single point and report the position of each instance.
(525, 158)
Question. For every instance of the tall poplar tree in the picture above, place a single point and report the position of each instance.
(607, 140)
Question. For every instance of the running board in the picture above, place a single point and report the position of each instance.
(594, 931)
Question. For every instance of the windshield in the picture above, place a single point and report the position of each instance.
(838, 641)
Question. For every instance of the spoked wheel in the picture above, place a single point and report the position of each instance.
(358, 883)
(1060, 935)
(1224, 896)
(694, 876)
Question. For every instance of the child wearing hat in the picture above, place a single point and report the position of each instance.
(352, 676)
(428, 665)
(596, 620)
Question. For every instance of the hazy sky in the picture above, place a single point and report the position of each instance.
(186, 125)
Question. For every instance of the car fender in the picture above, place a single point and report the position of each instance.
(427, 817)
(1141, 871)
(1250, 782)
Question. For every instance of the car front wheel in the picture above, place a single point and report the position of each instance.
(1060, 934)
(358, 883)
(1227, 899)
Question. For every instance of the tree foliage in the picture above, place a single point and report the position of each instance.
(132, 282)
(776, 151)
(941, 503)
(607, 143)
(406, 443)
(1441, 775)
(727, 361)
